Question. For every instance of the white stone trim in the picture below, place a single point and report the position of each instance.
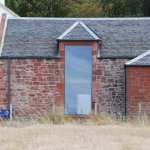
(2, 2)
(138, 58)
(74, 25)
(3, 37)
(9, 11)
(68, 30)
(89, 31)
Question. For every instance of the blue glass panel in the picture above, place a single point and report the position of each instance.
(78, 79)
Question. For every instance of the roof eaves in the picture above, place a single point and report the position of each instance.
(138, 65)
(30, 57)
(115, 57)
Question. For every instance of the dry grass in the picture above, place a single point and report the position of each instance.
(74, 137)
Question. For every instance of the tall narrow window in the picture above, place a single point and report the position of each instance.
(78, 79)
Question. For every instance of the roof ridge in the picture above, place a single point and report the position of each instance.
(81, 19)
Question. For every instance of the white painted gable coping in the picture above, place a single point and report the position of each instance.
(68, 31)
(76, 24)
(2, 2)
(138, 58)
(3, 36)
(6, 10)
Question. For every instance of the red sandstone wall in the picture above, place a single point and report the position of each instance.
(110, 86)
(3, 83)
(37, 86)
(138, 90)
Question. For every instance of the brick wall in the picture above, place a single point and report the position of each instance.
(138, 90)
(110, 86)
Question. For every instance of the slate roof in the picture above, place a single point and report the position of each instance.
(37, 37)
(141, 60)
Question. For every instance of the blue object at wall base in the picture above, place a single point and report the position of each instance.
(4, 113)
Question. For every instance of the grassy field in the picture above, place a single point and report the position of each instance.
(75, 137)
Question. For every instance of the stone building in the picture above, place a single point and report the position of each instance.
(75, 66)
